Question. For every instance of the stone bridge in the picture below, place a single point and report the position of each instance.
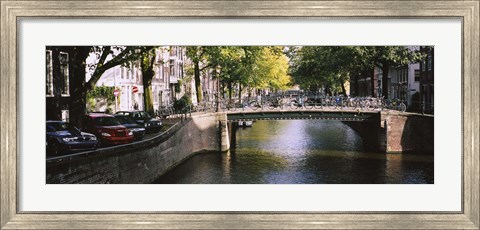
(385, 131)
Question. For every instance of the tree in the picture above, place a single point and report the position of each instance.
(78, 105)
(198, 55)
(105, 58)
(256, 67)
(328, 67)
(147, 61)
(272, 69)
(386, 56)
(332, 66)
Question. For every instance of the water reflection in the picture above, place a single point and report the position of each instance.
(301, 152)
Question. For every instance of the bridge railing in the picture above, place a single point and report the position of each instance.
(300, 102)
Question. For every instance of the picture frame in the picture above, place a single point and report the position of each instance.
(12, 218)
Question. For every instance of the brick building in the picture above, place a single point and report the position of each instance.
(427, 79)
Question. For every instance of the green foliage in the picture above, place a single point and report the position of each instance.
(182, 103)
(272, 69)
(100, 93)
(105, 92)
(330, 67)
(178, 86)
(260, 67)
(324, 66)
(91, 104)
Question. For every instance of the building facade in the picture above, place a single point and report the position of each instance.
(128, 82)
(403, 82)
(166, 82)
(427, 79)
(58, 83)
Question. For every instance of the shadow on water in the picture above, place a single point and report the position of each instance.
(225, 168)
(301, 152)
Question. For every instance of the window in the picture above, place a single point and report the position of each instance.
(139, 76)
(157, 71)
(118, 70)
(417, 75)
(65, 115)
(135, 72)
(181, 71)
(165, 70)
(63, 60)
(49, 74)
(172, 68)
(429, 61)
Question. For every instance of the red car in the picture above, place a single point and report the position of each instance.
(107, 129)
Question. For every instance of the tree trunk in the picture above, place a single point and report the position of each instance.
(373, 83)
(240, 92)
(229, 90)
(356, 86)
(147, 98)
(78, 106)
(342, 84)
(385, 67)
(198, 83)
(328, 91)
(147, 76)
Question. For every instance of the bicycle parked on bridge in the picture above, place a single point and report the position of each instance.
(297, 102)
(314, 102)
(362, 103)
(337, 102)
(373, 103)
(393, 104)
(232, 104)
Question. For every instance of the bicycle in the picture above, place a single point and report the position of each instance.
(165, 111)
(232, 104)
(337, 102)
(374, 103)
(394, 104)
(310, 102)
(363, 103)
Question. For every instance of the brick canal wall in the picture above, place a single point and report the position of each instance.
(140, 162)
(397, 132)
(406, 132)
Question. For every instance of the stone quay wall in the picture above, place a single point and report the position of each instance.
(144, 161)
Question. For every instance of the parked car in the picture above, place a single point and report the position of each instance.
(107, 129)
(143, 118)
(63, 138)
(138, 130)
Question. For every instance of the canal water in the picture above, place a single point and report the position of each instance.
(301, 152)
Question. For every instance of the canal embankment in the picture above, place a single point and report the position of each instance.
(139, 162)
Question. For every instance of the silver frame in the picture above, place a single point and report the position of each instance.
(467, 11)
